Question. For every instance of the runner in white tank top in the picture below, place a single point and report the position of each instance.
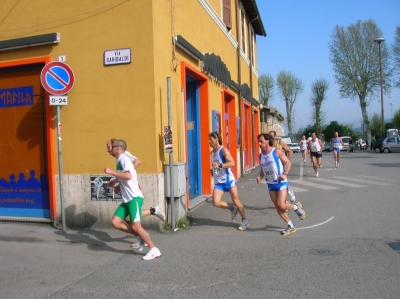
(303, 147)
(315, 146)
(272, 168)
(224, 180)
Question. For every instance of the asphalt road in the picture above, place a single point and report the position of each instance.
(347, 247)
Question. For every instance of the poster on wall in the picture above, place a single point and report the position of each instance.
(100, 190)
(168, 139)
(238, 131)
(216, 122)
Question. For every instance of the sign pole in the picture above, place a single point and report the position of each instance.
(60, 175)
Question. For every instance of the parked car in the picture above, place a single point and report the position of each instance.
(327, 147)
(345, 140)
(294, 147)
(387, 145)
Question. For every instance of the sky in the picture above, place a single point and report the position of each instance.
(298, 35)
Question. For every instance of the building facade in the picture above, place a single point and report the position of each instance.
(151, 72)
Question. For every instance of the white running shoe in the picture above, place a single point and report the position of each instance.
(317, 174)
(160, 214)
(291, 196)
(152, 254)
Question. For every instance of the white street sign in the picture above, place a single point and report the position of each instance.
(58, 100)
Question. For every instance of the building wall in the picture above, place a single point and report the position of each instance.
(124, 101)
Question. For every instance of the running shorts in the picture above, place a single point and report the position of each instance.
(133, 208)
(225, 186)
(278, 187)
(316, 155)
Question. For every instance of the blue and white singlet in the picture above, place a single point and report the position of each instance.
(272, 167)
(336, 144)
(221, 175)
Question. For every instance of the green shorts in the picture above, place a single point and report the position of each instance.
(132, 208)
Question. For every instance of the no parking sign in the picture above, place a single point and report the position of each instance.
(57, 78)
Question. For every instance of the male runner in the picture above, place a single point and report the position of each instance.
(315, 146)
(272, 168)
(224, 180)
(132, 197)
(281, 145)
(335, 144)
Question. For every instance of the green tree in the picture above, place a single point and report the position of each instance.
(318, 96)
(396, 55)
(266, 85)
(376, 125)
(396, 119)
(334, 126)
(289, 87)
(355, 59)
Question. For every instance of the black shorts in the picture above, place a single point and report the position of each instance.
(316, 155)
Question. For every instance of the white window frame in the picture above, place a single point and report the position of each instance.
(243, 29)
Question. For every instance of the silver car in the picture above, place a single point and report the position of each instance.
(294, 147)
(391, 144)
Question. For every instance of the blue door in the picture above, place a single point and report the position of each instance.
(193, 141)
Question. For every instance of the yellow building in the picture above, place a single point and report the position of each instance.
(137, 67)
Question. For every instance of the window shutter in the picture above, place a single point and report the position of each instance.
(226, 13)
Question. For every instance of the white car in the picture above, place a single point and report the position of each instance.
(294, 147)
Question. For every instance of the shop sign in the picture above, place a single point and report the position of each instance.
(19, 96)
(214, 67)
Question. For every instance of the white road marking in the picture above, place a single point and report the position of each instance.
(337, 182)
(377, 178)
(313, 185)
(362, 181)
(311, 226)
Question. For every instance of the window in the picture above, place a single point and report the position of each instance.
(252, 58)
(243, 21)
(226, 13)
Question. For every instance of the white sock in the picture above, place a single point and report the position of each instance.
(290, 223)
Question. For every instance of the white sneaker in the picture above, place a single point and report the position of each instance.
(304, 161)
(152, 254)
(317, 174)
(160, 214)
(291, 196)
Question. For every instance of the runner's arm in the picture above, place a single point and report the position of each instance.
(286, 149)
(136, 163)
(286, 162)
(229, 160)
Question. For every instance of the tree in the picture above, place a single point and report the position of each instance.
(376, 125)
(396, 119)
(396, 55)
(334, 126)
(355, 59)
(289, 87)
(318, 95)
(266, 85)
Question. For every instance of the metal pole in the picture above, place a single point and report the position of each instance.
(171, 157)
(60, 175)
(382, 110)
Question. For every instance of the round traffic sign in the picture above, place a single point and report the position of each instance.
(57, 78)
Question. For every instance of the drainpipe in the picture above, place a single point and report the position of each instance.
(240, 84)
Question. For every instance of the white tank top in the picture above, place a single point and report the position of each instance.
(303, 145)
(315, 146)
(272, 167)
(221, 175)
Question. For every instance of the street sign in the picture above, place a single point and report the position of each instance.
(57, 78)
(58, 100)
